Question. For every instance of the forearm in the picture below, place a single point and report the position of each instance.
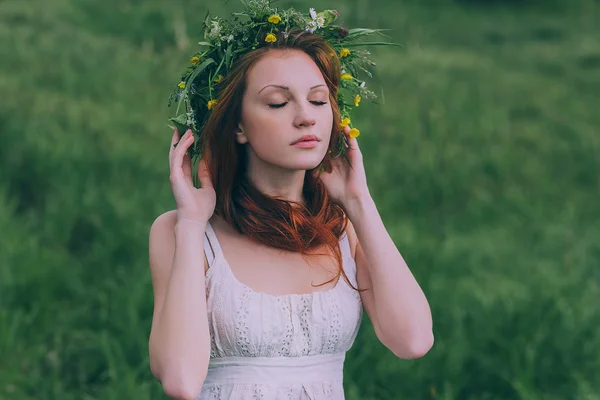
(181, 342)
(402, 310)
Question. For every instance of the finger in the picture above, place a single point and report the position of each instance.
(181, 149)
(175, 137)
(187, 168)
(204, 174)
(174, 140)
(352, 143)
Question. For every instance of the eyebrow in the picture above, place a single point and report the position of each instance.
(287, 88)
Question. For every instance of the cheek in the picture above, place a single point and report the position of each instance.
(259, 122)
(327, 124)
(267, 129)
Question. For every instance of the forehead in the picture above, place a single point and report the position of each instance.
(284, 67)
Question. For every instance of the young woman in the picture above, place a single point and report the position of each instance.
(255, 274)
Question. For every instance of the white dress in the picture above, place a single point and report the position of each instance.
(277, 347)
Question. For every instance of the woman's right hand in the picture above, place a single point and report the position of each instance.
(192, 204)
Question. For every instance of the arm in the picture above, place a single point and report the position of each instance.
(394, 301)
(179, 344)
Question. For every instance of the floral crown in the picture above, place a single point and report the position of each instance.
(228, 39)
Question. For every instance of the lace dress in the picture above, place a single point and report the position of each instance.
(276, 347)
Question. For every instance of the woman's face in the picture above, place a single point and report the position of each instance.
(286, 98)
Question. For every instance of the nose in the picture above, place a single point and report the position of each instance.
(303, 117)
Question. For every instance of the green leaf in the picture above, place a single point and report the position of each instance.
(190, 79)
(372, 44)
(180, 123)
(356, 32)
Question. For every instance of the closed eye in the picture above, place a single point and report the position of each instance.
(317, 103)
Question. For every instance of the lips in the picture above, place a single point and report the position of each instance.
(306, 138)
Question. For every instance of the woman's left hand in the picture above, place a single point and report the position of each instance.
(346, 182)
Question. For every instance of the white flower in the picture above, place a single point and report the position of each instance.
(313, 13)
(215, 30)
(311, 27)
(362, 85)
(320, 22)
(190, 118)
(228, 38)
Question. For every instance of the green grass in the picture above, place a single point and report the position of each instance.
(484, 161)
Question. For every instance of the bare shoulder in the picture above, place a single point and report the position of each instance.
(165, 221)
(162, 243)
(162, 240)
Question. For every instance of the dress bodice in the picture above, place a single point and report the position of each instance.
(266, 346)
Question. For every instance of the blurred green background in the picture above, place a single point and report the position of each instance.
(483, 159)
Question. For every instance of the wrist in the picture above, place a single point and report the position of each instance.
(358, 206)
(189, 226)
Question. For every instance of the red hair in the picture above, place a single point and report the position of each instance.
(275, 222)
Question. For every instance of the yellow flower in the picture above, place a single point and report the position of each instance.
(344, 52)
(181, 85)
(211, 104)
(354, 133)
(195, 60)
(274, 19)
(218, 78)
(271, 38)
(345, 122)
(356, 100)
(346, 76)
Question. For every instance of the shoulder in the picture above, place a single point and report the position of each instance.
(352, 238)
(162, 232)
(162, 239)
(161, 244)
(165, 221)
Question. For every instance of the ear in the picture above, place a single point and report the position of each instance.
(240, 137)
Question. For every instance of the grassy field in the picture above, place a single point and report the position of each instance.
(484, 161)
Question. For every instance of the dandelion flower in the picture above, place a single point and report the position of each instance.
(345, 122)
(344, 52)
(274, 19)
(354, 133)
(211, 104)
(181, 85)
(356, 100)
(347, 77)
(195, 60)
(219, 78)
(271, 38)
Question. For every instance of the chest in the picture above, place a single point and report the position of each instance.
(279, 272)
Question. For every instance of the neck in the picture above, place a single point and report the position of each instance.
(272, 180)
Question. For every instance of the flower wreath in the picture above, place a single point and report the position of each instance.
(227, 39)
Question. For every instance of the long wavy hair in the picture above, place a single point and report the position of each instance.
(272, 221)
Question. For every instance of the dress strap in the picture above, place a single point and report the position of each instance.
(345, 245)
(348, 263)
(211, 244)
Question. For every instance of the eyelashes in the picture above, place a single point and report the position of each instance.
(317, 103)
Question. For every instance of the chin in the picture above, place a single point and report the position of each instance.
(305, 162)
